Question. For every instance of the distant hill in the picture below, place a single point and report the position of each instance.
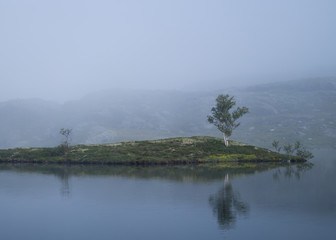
(304, 110)
(304, 85)
(297, 110)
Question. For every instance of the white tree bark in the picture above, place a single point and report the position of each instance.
(226, 140)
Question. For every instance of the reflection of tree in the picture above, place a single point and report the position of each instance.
(227, 205)
(65, 188)
(292, 171)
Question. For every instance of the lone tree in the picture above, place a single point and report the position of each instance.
(223, 119)
(66, 133)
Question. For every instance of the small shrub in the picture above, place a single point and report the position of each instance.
(304, 153)
(288, 148)
(60, 150)
(276, 146)
(300, 151)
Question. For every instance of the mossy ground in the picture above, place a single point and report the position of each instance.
(164, 151)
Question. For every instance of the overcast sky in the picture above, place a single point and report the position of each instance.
(64, 49)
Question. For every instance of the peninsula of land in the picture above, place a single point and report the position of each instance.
(182, 150)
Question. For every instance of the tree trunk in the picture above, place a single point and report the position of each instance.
(226, 140)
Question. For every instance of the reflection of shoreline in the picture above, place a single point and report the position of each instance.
(184, 173)
(226, 204)
(290, 171)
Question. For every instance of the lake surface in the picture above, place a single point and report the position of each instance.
(182, 202)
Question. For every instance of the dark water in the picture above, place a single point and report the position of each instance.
(92, 202)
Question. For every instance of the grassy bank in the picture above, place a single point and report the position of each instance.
(157, 152)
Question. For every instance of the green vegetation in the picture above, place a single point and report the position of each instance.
(156, 152)
(66, 133)
(275, 144)
(290, 149)
(223, 119)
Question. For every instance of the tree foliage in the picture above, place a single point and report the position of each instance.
(276, 146)
(290, 149)
(225, 119)
(302, 151)
(66, 133)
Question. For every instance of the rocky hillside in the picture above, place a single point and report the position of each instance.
(287, 111)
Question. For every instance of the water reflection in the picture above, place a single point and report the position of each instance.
(115, 196)
(65, 187)
(227, 205)
(184, 173)
(290, 171)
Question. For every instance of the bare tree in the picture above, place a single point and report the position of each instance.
(276, 146)
(66, 133)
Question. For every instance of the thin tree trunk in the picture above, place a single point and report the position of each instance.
(226, 142)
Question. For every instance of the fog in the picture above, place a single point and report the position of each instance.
(62, 50)
(145, 69)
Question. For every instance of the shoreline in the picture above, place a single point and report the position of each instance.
(171, 151)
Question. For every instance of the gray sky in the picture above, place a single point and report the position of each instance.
(65, 49)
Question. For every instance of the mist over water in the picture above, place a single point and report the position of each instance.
(134, 70)
(127, 70)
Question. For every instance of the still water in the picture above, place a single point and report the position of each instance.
(95, 202)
